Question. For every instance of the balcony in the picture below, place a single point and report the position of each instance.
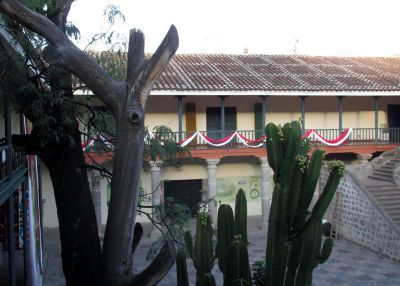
(253, 138)
(251, 143)
(17, 161)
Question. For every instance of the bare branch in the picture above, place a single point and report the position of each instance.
(157, 64)
(159, 267)
(65, 53)
(135, 55)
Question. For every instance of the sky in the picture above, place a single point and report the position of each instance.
(306, 27)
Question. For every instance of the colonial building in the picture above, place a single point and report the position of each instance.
(351, 104)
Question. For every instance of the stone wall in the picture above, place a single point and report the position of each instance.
(357, 217)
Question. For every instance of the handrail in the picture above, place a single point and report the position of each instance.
(358, 136)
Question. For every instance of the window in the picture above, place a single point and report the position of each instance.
(214, 121)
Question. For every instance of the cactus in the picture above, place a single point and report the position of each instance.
(181, 269)
(231, 248)
(202, 253)
(241, 215)
(293, 230)
(237, 263)
(208, 280)
(225, 234)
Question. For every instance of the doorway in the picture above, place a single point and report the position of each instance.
(394, 122)
(185, 192)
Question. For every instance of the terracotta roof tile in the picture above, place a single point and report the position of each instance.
(205, 72)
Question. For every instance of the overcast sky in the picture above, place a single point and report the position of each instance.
(311, 27)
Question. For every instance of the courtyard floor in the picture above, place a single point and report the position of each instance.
(349, 263)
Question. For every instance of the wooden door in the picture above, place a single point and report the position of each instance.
(191, 127)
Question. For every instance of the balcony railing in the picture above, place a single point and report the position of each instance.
(17, 162)
(358, 136)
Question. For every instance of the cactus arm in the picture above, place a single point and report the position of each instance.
(274, 148)
(293, 262)
(208, 280)
(189, 244)
(271, 237)
(313, 174)
(181, 269)
(241, 215)
(292, 136)
(225, 233)
(326, 250)
(203, 248)
(304, 276)
(237, 263)
(294, 192)
(324, 200)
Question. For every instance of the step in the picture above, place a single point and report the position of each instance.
(380, 178)
(395, 217)
(386, 192)
(383, 174)
(388, 199)
(389, 168)
(383, 186)
(385, 197)
(392, 208)
(389, 203)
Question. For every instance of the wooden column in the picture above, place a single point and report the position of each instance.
(303, 114)
(222, 116)
(263, 110)
(340, 113)
(376, 117)
(180, 116)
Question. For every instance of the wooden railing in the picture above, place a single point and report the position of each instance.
(358, 136)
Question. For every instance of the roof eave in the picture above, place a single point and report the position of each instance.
(273, 93)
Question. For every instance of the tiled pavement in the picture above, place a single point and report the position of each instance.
(349, 264)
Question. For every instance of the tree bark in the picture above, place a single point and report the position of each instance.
(127, 101)
(80, 245)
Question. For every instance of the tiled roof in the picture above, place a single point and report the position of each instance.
(286, 73)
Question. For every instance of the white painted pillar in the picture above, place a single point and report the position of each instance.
(265, 195)
(155, 171)
(212, 187)
(155, 183)
(96, 198)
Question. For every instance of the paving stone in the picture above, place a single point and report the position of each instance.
(349, 264)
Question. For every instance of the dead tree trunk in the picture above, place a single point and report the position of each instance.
(127, 101)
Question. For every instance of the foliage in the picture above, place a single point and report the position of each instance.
(171, 219)
(161, 147)
(294, 232)
(258, 273)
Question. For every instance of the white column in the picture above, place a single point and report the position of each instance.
(155, 192)
(265, 196)
(212, 187)
(96, 197)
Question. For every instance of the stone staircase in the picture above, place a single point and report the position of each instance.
(385, 172)
(388, 197)
(381, 185)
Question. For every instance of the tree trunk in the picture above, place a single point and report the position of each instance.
(128, 156)
(81, 252)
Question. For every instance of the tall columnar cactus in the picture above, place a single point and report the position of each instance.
(237, 263)
(294, 231)
(231, 249)
(181, 269)
(202, 253)
(241, 215)
(232, 254)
